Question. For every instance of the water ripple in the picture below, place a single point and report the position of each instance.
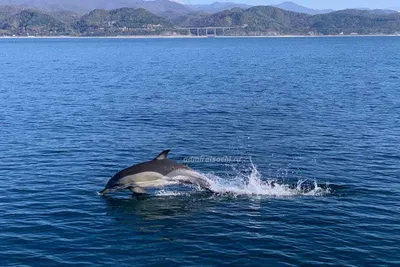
(316, 120)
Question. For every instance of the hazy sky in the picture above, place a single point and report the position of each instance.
(320, 4)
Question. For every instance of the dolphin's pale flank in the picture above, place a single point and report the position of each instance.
(159, 172)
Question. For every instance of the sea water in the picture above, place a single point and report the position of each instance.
(298, 137)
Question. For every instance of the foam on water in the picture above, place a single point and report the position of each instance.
(254, 184)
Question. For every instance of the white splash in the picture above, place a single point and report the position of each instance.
(253, 184)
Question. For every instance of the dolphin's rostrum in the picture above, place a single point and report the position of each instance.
(159, 172)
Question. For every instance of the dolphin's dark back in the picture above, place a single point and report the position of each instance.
(163, 167)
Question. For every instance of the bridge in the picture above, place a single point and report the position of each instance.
(205, 31)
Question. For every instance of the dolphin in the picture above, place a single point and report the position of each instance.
(158, 172)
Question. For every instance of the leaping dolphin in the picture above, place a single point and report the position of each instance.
(158, 172)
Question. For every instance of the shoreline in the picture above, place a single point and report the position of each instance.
(193, 36)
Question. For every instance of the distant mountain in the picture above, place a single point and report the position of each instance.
(290, 6)
(8, 11)
(182, 19)
(160, 6)
(83, 6)
(49, 5)
(253, 21)
(155, 6)
(217, 7)
(65, 16)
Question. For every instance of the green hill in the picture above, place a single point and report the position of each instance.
(355, 21)
(123, 21)
(65, 16)
(268, 20)
(258, 20)
(32, 22)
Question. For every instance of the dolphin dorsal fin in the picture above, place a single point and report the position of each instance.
(163, 155)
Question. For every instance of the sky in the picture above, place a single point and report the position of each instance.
(317, 4)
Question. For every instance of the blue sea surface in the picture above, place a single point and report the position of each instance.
(299, 137)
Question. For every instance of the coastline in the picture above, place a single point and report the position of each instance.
(193, 36)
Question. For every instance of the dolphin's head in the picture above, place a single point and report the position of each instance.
(113, 185)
